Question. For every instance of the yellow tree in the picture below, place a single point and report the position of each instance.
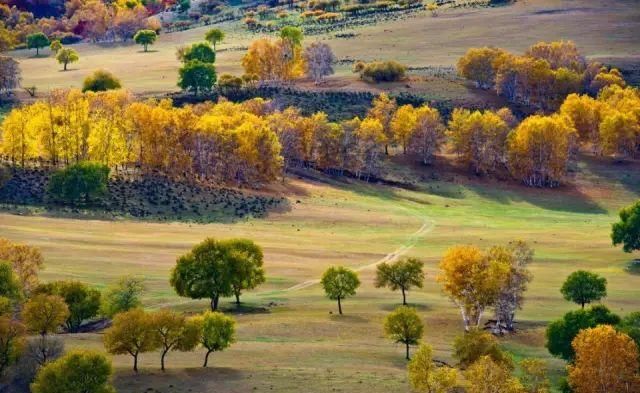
(479, 65)
(426, 377)
(173, 332)
(428, 134)
(19, 141)
(487, 376)
(403, 125)
(273, 60)
(472, 280)
(383, 109)
(132, 333)
(620, 134)
(43, 315)
(369, 141)
(586, 114)
(540, 148)
(25, 260)
(606, 361)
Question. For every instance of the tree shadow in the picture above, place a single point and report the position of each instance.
(348, 318)
(148, 51)
(417, 306)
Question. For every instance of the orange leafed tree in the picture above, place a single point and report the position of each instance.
(606, 362)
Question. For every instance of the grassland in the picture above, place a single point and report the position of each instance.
(289, 339)
(602, 29)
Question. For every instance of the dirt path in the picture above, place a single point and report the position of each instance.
(427, 226)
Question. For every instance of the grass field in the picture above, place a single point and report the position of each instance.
(289, 338)
(601, 28)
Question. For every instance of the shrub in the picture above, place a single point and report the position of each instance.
(381, 71)
(101, 80)
(79, 183)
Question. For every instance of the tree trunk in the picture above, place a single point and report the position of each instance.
(135, 362)
(339, 306)
(237, 298)
(206, 358)
(407, 347)
(214, 302)
(65, 66)
(404, 298)
(164, 353)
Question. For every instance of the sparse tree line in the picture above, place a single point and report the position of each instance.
(542, 78)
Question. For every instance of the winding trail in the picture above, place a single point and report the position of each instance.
(427, 226)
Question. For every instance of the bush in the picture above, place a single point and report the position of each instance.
(381, 71)
(65, 38)
(101, 80)
(79, 183)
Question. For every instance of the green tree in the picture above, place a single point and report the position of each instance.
(214, 36)
(560, 333)
(10, 287)
(403, 274)
(200, 51)
(426, 377)
(204, 272)
(246, 260)
(66, 56)
(145, 38)
(292, 34)
(83, 302)
(404, 326)
(476, 343)
(101, 80)
(173, 333)
(583, 287)
(131, 333)
(338, 283)
(217, 332)
(122, 296)
(197, 76)
(79, 183)
(630, 325)
(627, 230)
(12, 340)
(37, 41)
(78, 372)
(55, 46)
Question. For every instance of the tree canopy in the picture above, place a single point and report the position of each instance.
(83, 302)
(403, 275)
(214, 36)
(66, 56)
(627, 230)
(131, 333)
(37, 41)
(584, 287)
(217, 332)
(79, 183)
(404, 326)
(101, 80)
(145, 38)
(338, 283)
(76, 371)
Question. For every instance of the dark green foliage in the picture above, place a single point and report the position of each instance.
(630, 325)
(246, 259)
(145, 38)
(200, 51)
(37, 41)
(197, 77)
(560, 333)
(101, 80)
(79, 184)
(10, 287)
(627, 230)
(583, 287)
(83, 301)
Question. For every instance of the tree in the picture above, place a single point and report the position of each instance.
(145, 38)
(197, 76)
(584, 287)
(534, 375)
(83, 302)
(478, 65)
(204, 272)
(9, 74)
(619, 134)
(472, 280)
(66, 56)
(338, 283)
(214, 36)
(37, 41)
(12, 340)
(77, 371)
(44, 314)
(173, 332)
(474, 344)
(383, 109)
(10, 287)
(426, 377)
(246, 260)
(487, 376)
(630, 326)
(428, 134)
(606, 361)
(319, 60)
(217, 332)
(55, 46)
(131, 333)
(273, 60)
(101, 80)
(519, 255)
(402, 274)
(25, 260)
(539, 149)
(292, 34)
(123, 296)
(404, 326)
(560, 333)
(79, 183)
(200, 51)
(627, 230)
